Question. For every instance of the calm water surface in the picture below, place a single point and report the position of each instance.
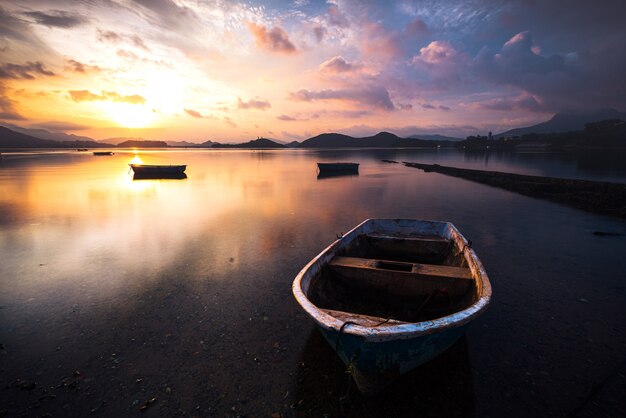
(115, 291)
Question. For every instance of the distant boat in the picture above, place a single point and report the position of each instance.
(82, 149)
(103, 153)
(147, 171)
(338, 167)
(392, 294)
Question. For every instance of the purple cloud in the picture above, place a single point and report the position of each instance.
(373, 96)
(25, 72)
(57, 18)
(339, 65)
(273, 40)
(82, 68)
(417, 28)
(253, 104)
(524, 102)
(319, 32)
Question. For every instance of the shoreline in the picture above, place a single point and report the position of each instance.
(592, 196)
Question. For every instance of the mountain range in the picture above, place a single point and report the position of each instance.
(565, 122)
(17, 137)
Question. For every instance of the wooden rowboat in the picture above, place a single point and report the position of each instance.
(392, 294)
(338, 167)
(148, 171)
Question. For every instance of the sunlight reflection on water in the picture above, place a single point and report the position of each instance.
(83, 244)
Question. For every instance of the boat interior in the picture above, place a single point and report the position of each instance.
(394, 279)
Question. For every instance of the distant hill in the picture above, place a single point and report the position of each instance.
(436, 137)
(565, 122)
(381, 139)
(260, 143)
(292, 144)
(182, 144)
(12, 139)
(142, 144)
(52, 136)
(120, 139)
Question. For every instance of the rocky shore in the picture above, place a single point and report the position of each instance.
(594, 196)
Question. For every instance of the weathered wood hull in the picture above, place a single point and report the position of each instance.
(386, 316)
(337, 168)
(376, 364)
(143, 171)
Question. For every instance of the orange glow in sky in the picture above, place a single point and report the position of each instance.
(232, 71)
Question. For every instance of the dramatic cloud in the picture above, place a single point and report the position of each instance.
(373, 96)
(274, 40)
(253, 104)
(339, 65)
(437, 53)
(57, 18)
(524, 102)
(87, 96)
(26, 71)
(518, 58)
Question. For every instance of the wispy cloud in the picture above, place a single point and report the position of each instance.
(82, 68)
(253, 104)
(116, 37)
(57, 18)
(87, 96)
(288, 118)
(372, 96)
(27, 71)
(273, 40)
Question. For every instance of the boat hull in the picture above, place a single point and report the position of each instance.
(338, 167)
(374, 365)
(158, 171)
(379, 347)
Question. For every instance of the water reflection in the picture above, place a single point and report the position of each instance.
(330, 174)
(189, 282)
(441, 387)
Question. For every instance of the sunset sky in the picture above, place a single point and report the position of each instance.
(231, 71)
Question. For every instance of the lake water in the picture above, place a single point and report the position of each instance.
(114, 291)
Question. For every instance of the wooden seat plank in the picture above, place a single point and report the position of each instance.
(414, 269)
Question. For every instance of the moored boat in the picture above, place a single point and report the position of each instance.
(392, 294)
(338, 167)
(103, 153)
(158, 171)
